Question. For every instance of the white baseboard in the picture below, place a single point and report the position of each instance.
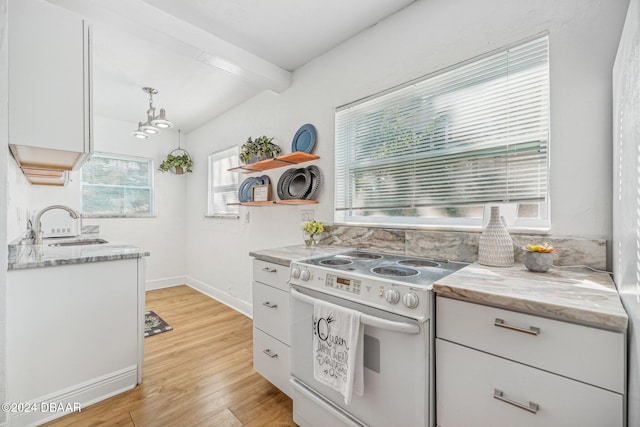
(167, 282)
(224, 297)
(85, 394)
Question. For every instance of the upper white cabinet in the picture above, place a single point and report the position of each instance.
(50, 117)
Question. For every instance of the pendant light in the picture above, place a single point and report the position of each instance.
(139, 133)
(154, 122)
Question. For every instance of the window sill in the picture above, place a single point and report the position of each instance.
(452, 228)
(116, 216)
(222, 216)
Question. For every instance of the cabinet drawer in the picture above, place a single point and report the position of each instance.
(271, 274)
(271, 311)
(271, 359)
(588, 354)
(467, 381)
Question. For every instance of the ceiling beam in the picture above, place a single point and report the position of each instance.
(142, 20)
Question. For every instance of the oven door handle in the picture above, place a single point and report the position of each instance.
(366, 319)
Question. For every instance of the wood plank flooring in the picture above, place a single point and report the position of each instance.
(199, 374)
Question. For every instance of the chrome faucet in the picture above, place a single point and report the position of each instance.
(37, 238)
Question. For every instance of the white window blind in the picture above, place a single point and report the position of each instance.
(473, 134)
(223, 185)
(115, 185)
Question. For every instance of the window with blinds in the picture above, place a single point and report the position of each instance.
(223, 185)
(436, 150)
(115, 185)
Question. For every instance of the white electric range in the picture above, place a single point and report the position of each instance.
(393, 294)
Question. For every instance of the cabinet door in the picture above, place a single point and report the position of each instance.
(271, 274)
(271, 311)
(271, 359)
(587, 354)
(477, 389)
(49, 88)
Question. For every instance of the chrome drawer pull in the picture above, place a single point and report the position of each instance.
(270, 353)
(531, 407)
(269, 304)
(269, 270)
(531, 331)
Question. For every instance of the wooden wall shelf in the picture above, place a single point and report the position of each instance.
(277, 202)
(278, 162)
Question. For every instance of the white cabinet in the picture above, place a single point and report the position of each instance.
(271, 341)
(496, 367)
(50, 117)
(74, 334)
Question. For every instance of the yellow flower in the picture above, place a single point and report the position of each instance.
(313, 227)
(540, 247)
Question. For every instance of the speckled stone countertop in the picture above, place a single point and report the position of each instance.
(284, 256)
(35, 256)
(576, 295)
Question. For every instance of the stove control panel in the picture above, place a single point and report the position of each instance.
(399, 298)
(337, 282)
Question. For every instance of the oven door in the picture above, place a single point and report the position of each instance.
(396, 374)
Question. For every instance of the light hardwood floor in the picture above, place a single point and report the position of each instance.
(199, 374)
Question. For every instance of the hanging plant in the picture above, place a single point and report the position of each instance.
(259, 149)
(177, 164)
(178, 161)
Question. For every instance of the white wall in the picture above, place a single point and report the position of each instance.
(163, 235)
(423, 38)
(4, 136)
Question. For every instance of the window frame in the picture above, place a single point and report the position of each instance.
(151, 186)
(233, 211)
(541, 224)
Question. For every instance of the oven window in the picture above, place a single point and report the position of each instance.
(435, 151)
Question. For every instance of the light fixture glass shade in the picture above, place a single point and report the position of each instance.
(148, 127)
(139, 133)
(160, 121)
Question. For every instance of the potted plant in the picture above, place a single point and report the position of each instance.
(538, 257)
(178, 164)
(312, 232)
(259, 149)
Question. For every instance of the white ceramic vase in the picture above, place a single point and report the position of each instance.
(496, 246)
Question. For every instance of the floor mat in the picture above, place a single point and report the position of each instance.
(154, 325)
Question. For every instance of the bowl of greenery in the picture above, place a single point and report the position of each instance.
(261, 148)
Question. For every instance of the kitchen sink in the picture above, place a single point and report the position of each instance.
(79, 242)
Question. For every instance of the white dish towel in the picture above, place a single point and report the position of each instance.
(338, 349)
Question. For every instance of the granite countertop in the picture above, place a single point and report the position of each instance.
(576, 295)
(34, 256)
(286, 255)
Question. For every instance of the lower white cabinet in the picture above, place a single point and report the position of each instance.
(499, 368)
(74, 335)
(271, 358)
(271, 341)
(478, 389)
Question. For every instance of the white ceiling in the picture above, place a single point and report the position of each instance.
(207, 56)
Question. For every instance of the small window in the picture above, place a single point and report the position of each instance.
(434, 151)
(223, 185)
(115, 185)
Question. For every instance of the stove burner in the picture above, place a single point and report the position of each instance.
(418, 263)
(359, 255)
(336, 262)
(395, 271)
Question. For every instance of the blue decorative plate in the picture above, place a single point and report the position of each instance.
(245, 191)
(305, 139)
